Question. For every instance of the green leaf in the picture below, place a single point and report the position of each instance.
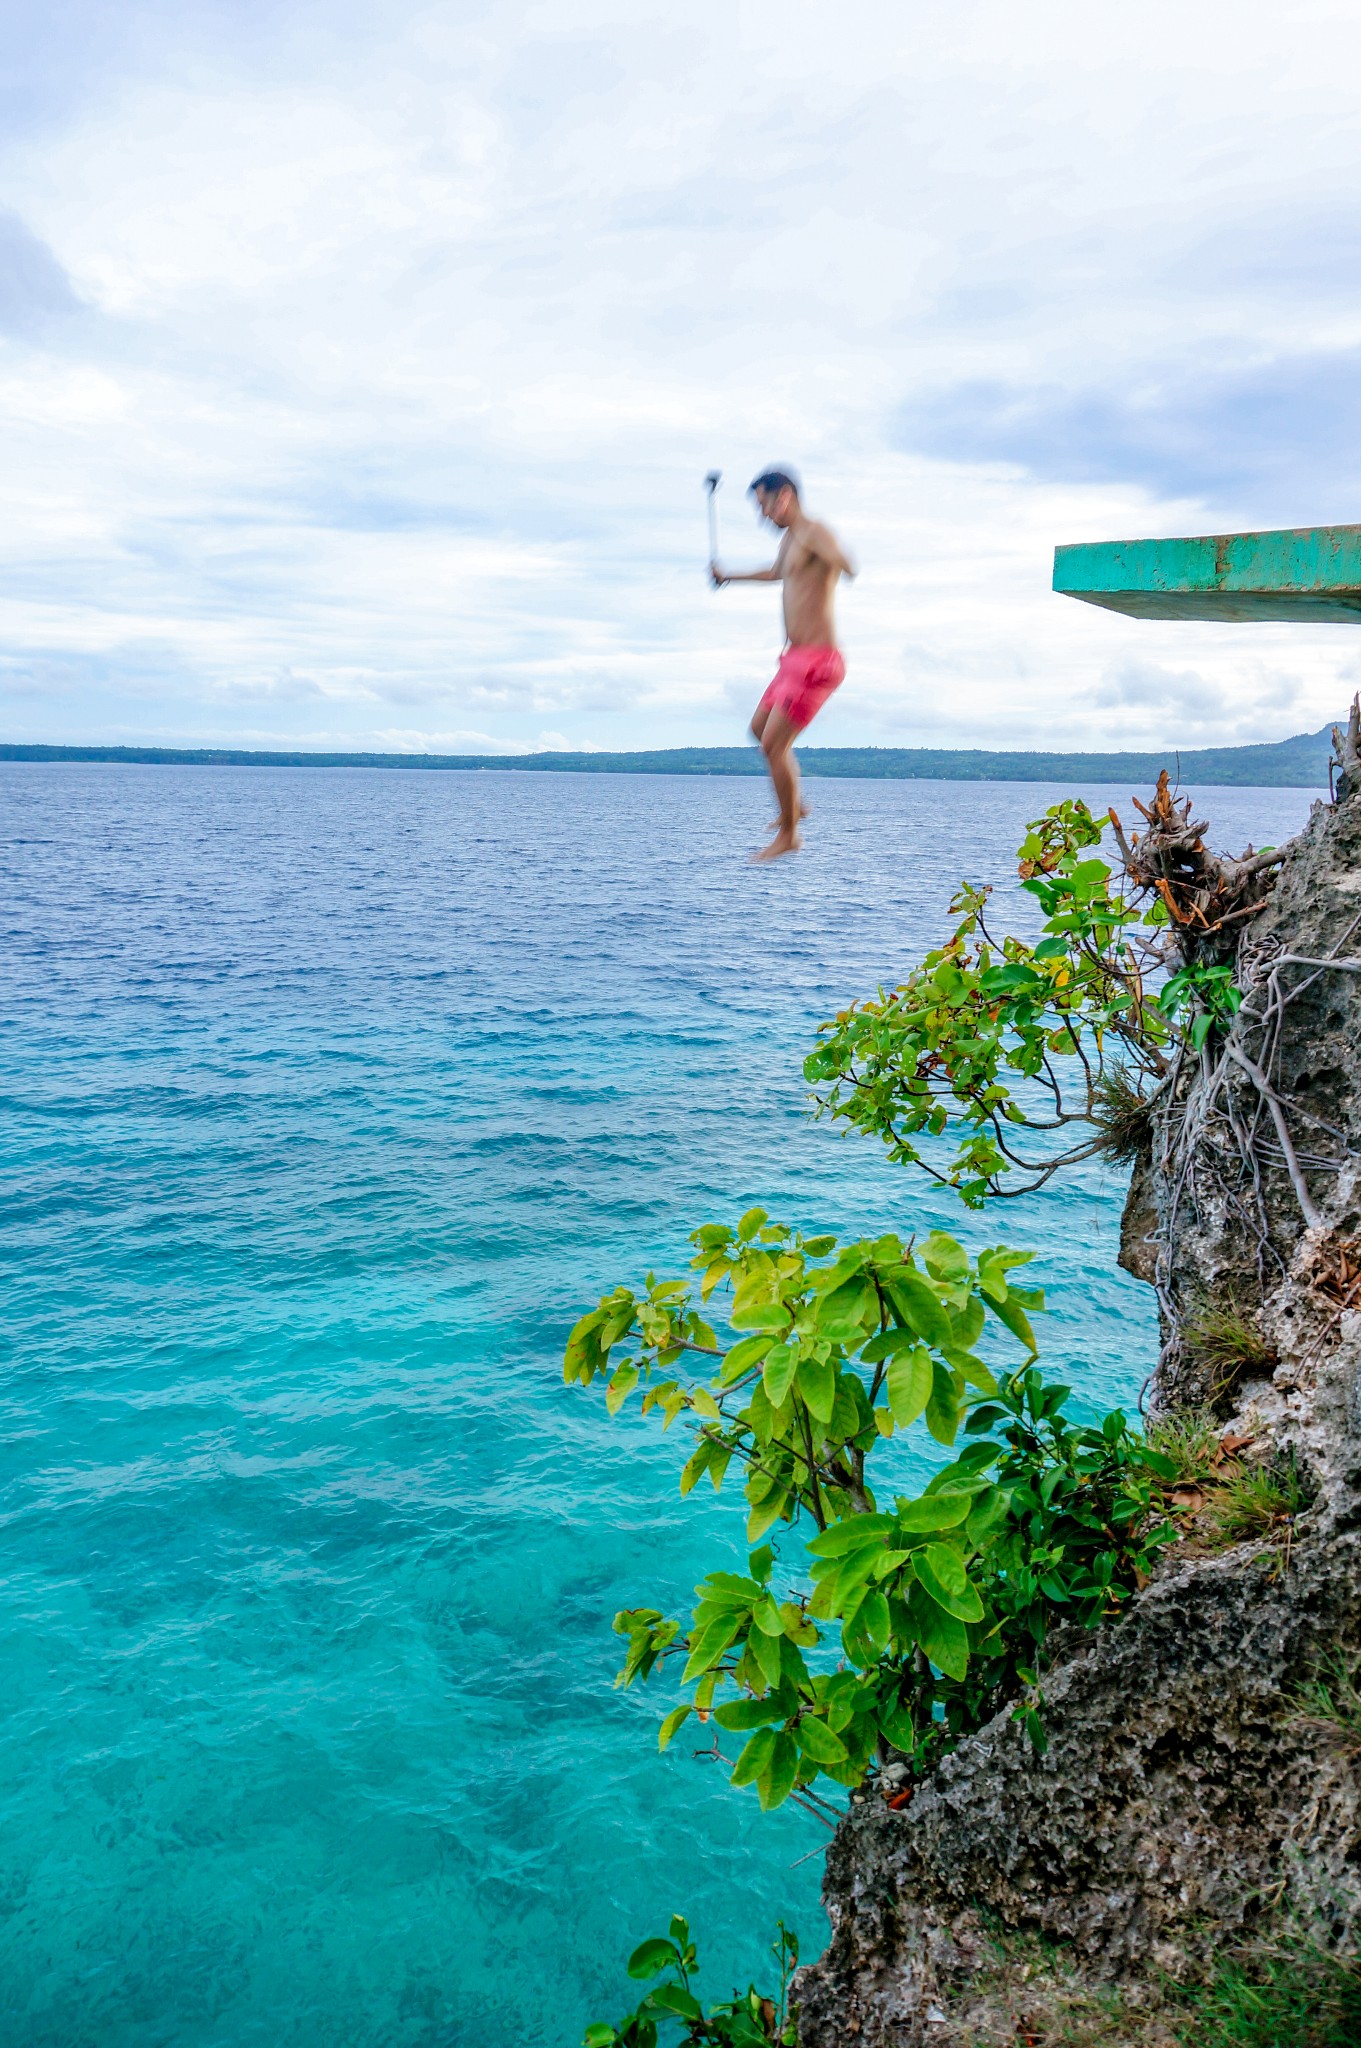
(671, 1724)
(844, 1588)
(856, 1532)
(750, 1351)
(943, 1510)
(765, 1514)
(766, 1650)
(652, 1957)
(1014, 1317)
(583, 1348)
(767, 1617)
(941, 1571)
(601, 2035)
(842, 1315)
(777, 1374)
(986, 1516)
(755, 1758)
(762, 1315)
(761, 1563)
(777, 1780)
(945, 1258)
(620, 1387)
(944, 1639)
(741, 1715)
(817, 1383)
(918, 1305)
(886, 1343)
(760, 1414)
(910, 1382)
(675, 1998)
(972, 1370)
(696, 1465)
(967, 1324)
(731, 1589)
(709, 1646)
(897, 1723)
(750, 1224)
(872, 1622)
(942, 1410)
(818, 1743)
(818, 1247)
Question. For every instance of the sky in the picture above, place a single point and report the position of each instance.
(360, 365)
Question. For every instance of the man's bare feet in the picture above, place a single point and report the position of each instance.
(783, 842)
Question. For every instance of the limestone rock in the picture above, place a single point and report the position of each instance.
(1183, 1796)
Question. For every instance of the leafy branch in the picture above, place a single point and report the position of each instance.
(746, 2020)
(995, 1043)
(935, 1609)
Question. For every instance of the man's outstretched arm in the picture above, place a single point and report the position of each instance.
(774, 574)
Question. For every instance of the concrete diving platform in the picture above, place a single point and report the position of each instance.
(1303, 575)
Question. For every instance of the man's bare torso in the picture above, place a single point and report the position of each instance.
(809, 583)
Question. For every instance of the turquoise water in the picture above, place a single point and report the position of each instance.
(326, 1102)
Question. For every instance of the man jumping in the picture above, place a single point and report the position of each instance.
(808, 563)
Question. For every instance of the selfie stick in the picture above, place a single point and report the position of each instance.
(711, 484)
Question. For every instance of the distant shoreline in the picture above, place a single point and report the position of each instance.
(1297, 763)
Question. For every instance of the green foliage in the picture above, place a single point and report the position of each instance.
(1331, 1700)
(746, 2020)
(1120, 1113)
(1257, 1500)
(904, 1623)
(937, 1607)
(1226, 1339)
(1206, 995)
(988, 1041)
(1189, 1439)
(1276, 1998)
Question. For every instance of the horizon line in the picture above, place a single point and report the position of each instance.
(1301, 761)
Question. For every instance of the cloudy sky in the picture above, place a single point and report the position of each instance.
(360, 364)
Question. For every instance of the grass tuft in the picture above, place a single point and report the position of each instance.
(1270, 1999)
(1227, 1339)
(1189, 1437)
(1121, 1115)
(1257, 1500)
(1332, 1701)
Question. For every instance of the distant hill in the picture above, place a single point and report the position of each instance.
(1298, 763)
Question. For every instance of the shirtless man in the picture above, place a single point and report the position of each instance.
(808, 563)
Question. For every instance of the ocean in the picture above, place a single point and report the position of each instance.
(328, 1100)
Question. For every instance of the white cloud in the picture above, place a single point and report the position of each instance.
(383, 351)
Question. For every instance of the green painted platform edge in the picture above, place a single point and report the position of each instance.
(1298, 562)
(1232, 607)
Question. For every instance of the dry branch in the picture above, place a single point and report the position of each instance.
(1202, 893)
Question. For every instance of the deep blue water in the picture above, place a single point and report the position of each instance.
(327, 1101)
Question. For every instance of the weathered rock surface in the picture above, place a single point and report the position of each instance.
(1183, 1797)
(1204, 1223)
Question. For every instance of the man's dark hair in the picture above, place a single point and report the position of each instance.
(773, 481)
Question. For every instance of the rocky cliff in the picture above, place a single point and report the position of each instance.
(1184, 1798)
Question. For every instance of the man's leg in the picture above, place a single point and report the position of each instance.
(777, 736)
(758, 727)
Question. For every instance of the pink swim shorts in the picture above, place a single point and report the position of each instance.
(804, 680)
